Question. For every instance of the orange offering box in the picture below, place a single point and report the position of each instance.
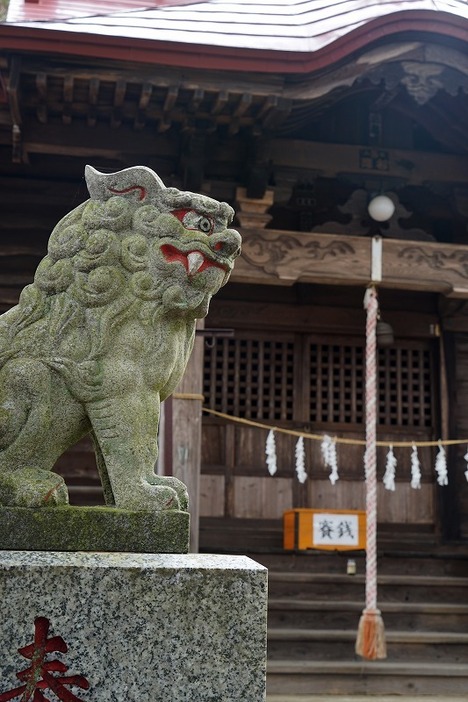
(328, 529)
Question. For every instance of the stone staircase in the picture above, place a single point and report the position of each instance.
(314, 610)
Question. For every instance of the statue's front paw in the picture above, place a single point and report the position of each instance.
(178, 486)
(32, 487)
(149, 497)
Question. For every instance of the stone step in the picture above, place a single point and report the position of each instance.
(443, 562)
(392, 588)
(366, 678)
(337, 644)
(344, 614)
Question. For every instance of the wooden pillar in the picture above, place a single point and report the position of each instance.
(186, 433)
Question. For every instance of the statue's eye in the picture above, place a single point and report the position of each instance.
(191, 219)
(205, 225)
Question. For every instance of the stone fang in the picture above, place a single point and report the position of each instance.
(195, 261)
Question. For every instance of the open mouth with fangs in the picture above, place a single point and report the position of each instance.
(193, 261)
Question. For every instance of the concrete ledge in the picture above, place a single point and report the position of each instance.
(93, 529)
(135, 627)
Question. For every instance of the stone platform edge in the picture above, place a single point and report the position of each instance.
(71, 528)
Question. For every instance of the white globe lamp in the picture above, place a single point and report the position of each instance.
(381, 208)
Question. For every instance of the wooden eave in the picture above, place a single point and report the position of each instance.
(43, 96)
(49, 95)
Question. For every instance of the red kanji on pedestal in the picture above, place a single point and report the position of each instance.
(39, 676)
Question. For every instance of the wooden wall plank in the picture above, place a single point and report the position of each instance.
(269, 497)
(265, 498)
(212, 495)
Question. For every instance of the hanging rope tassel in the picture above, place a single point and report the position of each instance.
(324, 448)
(333, 462)
(300, 460)
(270, 451)
(441, 466)
(330, 459)
(415, 469)
(390, 470)
(370, 642)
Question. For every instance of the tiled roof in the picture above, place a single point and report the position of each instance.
(276, 25)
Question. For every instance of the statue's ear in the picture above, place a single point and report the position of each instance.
(138, 183)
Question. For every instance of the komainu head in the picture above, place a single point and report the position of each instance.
(135, 251)
(135, 237)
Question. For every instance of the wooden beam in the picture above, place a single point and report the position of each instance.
(119, 96)
(41, 87)
(93, 95)
(13, 90)
(268, 104)
(68, 84)
(220, 102)
(284, 258)
(100, 142)
(17, 151)
(415, 167)
(243, 105)
(314, 318)
(145, 97)
(197, 98)
(171, 98)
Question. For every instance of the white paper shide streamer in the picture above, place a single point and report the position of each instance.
(300, 460)
(415, 469)
(465, 457)
(328, 448)
(441, 466)
(270, 451)
(390, 469)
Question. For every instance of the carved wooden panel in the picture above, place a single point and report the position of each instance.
(285, 257)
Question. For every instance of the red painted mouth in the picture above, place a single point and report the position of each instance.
(193, 261)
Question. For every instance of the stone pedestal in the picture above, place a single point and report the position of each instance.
(93, 529)
(133, 627)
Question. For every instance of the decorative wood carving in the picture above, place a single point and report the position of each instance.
(422, 80)
(433, 267)
(283, 258)
(440, 260)
(270, 255)
(289, 256)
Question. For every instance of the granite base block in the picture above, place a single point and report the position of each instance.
(136, 628)
(93, 529)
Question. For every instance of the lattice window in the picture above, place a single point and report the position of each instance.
(251, 378)
(337, 373)
(255, 378)
(405, 387)
(336, 383)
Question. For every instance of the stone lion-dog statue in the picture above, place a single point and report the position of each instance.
(103, 335)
